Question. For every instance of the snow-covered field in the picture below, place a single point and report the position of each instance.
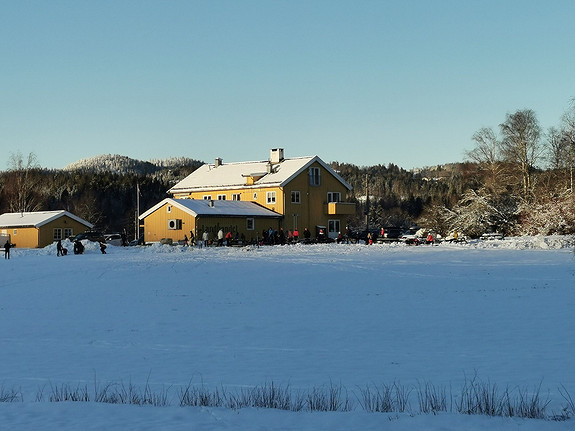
(164, 319)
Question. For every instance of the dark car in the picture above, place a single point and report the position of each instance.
(390, 234)
(90, 236)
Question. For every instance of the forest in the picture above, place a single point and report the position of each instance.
(517, 180)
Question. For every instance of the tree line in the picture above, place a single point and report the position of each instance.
(518, 179)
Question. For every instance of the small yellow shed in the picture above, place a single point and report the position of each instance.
(41, 228)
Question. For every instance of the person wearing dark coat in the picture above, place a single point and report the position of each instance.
(7, 247)
(59, 249)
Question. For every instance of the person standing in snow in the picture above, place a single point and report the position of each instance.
(7, 246)
(220, 238)
(306, 235)
(205, 238)
(229, 238)
(185, 240)
(59, 251)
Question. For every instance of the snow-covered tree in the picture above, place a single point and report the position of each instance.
(553, 213)
(481, 211)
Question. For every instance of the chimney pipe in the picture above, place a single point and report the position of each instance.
(276, 155)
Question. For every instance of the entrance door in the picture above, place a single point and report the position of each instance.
(333, 228)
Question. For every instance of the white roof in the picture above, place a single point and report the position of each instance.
(200, 207)
(37, 218)
(233, 175)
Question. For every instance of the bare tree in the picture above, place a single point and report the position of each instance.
(568, 135)
(487, 155)
(22, 183)
(520, 144)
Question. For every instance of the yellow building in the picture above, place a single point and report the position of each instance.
(40, 228)
(306, 191)
(175, 218)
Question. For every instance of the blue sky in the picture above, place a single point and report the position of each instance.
(363, 82)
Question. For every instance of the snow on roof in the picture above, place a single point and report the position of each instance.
(37, 218)
(200, 207)
(233, 175)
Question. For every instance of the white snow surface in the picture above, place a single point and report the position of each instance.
(301, 316)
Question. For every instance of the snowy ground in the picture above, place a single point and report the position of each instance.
(300, 317)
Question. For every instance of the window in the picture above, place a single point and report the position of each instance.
(68, 232)
(314, 177)
(333, 228)
(255, 196)
(221, 197)
(57, 234)
(207, 197)
(333, 196)
(295, 197)
(236, 196)
(250, 224)
(271, 197)
(169, 208)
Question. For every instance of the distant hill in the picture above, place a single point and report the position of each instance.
(125, 165)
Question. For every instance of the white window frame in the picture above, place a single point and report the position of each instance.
(207, 197)
(250, 223)
(236, 196)
(295, 197)
(221, 197)
(68, 232)
(57, 233)
(333, 196)
(270, 198)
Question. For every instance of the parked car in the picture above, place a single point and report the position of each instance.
(139, 241)
(113, 239)
(90, 236)
(390, 234)
(413, 236)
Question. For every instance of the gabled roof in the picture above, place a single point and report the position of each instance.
(37, 218)
(200, 207)
(233, 175)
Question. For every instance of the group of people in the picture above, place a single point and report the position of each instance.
(78, 248)
(268, 237)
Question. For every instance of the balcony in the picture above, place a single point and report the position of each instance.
(340, 208)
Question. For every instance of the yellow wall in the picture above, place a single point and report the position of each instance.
(22, 237)
(311, 212)
(156, 225)
(46, 235)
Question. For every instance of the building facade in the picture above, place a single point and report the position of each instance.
(173, 219)
(305, 191)
(41, 228)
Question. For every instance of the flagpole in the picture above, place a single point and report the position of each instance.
(137, 225)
